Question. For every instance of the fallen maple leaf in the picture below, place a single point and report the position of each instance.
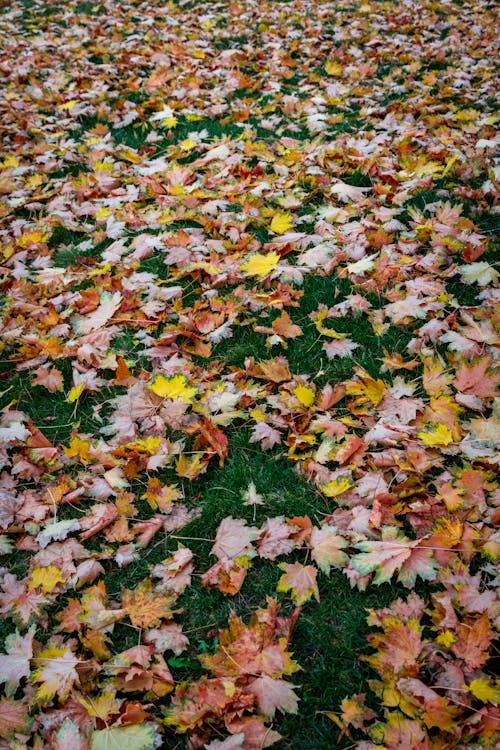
(481, 273)
(136, 737)
(145, 607)
(304, 394)
(300, 580)
(14, 719)
(227, 575)
(326, 548)
(257, 735)
(69, 737)
(49, 378)
(273, 695)
(394, 552)
(341, 348)
(109, 303)
(281, 223)
(436, 435)
(56, 671)
(251, 496)
(234, 539)
(174, 387)
(398, 647)
(366, 389)
(260, 265)
(473, 642)
(276, 538)
(475, 380)
(46, 579)
(15, 664)
(487, 692)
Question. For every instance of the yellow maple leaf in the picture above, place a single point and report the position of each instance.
(318, 322)
(281, 223)
(366, 389)
(102, 705)
(46, 578)
(174, 387)
(68, 105)
(436, 435)
(446, 638)
(305, 394)
(10, 161)
(485, 691)
(80, 449)
(150, 445)
(202, 265)
(103, 212)
(258, 415)
(190, 467)
(32, 237)
(333, 68)
(337, 486)
(260, 265)
(75, 393)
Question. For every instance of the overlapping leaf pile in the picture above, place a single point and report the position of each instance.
(174, 179)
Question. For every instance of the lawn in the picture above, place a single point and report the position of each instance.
(249, 413)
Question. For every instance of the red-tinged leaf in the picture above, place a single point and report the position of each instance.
(227, 575)
(266, 435)
(285, 327)
(411, 609)
(195, 703)
(24, 604)
(277, 538)
(273, 695)
(214, 439)
(175, 572)
(257, 735)
(122, 373)
(15, 664)
(300, 580)
(399, 646)
(99, 517)
(394, 553)
(475, 380)
(51, 379)
(259, 648)
(108, 305)
(14, 718)
(473, 642)
(234, 539)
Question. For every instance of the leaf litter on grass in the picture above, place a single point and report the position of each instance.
(260, 227)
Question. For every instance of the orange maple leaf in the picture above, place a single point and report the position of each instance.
(145, 607)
